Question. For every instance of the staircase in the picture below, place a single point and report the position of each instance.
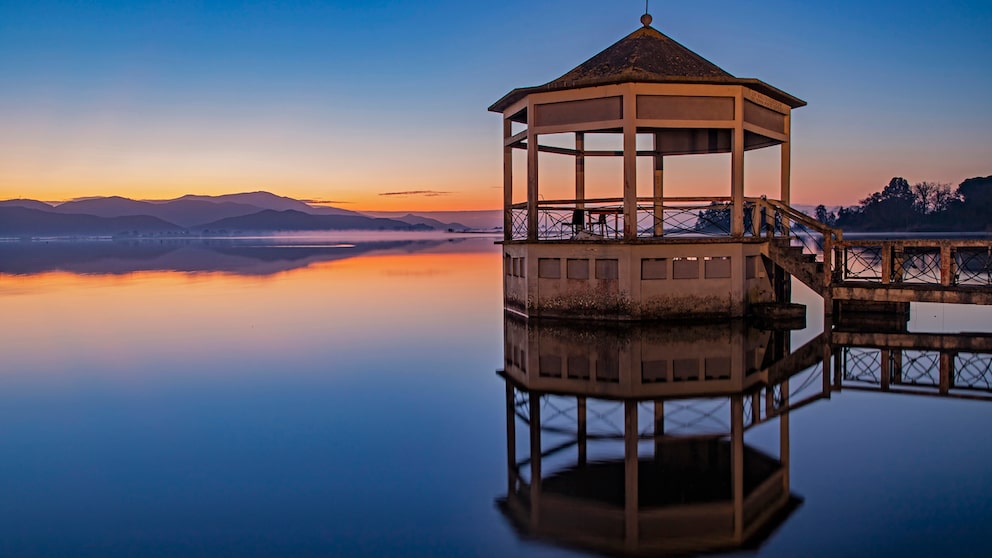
(798, 264)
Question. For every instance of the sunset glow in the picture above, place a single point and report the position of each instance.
(382, 106)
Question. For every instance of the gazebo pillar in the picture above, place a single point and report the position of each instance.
(629, 167)
(659, 187)
(785, 180)
(737, 462)
(507, 180)
(631, 483)
(532, 185)
(580, 169)
(737, 175)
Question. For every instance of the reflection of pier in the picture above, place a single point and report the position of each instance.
(639, 440)
(913, 363)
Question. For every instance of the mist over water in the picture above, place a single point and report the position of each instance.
(339, 396)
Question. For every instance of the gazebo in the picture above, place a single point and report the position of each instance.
(628, 256)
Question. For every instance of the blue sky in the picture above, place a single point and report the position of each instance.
(346, 100)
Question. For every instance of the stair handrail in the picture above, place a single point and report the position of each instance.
(831, 237)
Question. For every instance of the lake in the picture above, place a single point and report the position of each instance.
(353, 396)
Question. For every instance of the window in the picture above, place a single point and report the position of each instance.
(549, 268)
(654, 269)
(577, 269)
(717, 267)
(607, 269)
(685, 268)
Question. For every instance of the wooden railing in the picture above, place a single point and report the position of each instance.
(944, 262)
(918, 261)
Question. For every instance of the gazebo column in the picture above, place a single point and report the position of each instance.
(630, 461)
(737, 462)
(737, 176)
(783, 437)
(786, 180)
(511, 440)
(580, 169)
(534, 402)
(629, 167)
(659, 187)
(532, 184)
(507, 180)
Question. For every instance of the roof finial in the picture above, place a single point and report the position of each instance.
(646, 18)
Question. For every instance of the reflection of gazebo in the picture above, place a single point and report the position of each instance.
(647, 87)
(636, 436)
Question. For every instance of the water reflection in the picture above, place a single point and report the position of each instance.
(639, 440)
(244, 256)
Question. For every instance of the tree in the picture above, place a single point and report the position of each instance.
(932, 197)
(825, 217)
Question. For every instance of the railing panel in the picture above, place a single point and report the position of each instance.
(974, 265)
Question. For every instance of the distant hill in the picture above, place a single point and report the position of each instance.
(290, 220)
(196, 212)
(23, 221)
(486, 219)
(267, 200)
(30, 204)
(433, 223)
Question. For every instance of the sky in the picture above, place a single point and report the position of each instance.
(382, 104)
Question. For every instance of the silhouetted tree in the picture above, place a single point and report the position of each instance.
(824, 216)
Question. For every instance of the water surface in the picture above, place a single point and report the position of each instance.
(340, 397)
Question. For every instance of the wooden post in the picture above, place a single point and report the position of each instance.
(659, 424)
(737, 171)
(629, 167)
(783, 437)
(946, 265)
(507, 180)
(659, 187)
(785, 179)
(630, 461)
(885, 365)
(580, 412)
(840, 365)
(886, 263)
(580, 169)
(946, 372)
(828, 274)
(535, 458)
(737, 462)
(532, 183)
(511, 441)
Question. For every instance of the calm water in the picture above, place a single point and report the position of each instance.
(340, 397)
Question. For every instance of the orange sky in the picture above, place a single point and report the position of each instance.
(383, 107)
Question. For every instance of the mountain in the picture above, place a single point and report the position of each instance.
(291, 220)
(486, 219)
(184, 213)
(267, 200)
(30, 204)
(23, 221)
(432, 223)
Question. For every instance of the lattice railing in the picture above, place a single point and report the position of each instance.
(604, 219)
(921, 262)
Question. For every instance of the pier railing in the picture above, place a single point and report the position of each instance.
(964, 262)
(937, 262)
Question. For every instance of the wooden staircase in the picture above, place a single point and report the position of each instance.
(800, 265)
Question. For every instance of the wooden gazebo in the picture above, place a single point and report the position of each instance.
(647, 84)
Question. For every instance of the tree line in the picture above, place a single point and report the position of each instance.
(924, 206)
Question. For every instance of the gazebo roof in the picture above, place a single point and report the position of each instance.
(646, 56)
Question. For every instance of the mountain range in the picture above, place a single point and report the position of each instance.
(192, 214)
